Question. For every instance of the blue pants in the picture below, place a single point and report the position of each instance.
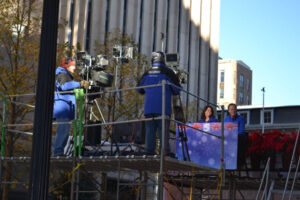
(61, 138)
(151, 127)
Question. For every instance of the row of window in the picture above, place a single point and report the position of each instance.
(242, 82)
(241, 85)
(241, 99)
(267, 116)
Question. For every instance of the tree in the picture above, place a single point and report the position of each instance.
(19, 47)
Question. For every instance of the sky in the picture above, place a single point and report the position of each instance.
(264, 34)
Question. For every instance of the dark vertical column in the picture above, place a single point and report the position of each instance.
(141, 26)
(106, 23)
(41, 145)
(154, 26)
(167, 27)
(124, 23)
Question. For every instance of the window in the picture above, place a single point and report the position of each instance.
(247, 100)
(248, 84)
(267, 116)
(241, 80)
(222, 77)
(245, 114)
(221, 92)
(241, 98)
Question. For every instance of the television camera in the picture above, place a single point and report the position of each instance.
(92, 69)
(172, 61)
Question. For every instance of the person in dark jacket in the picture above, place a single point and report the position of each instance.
(153, 99)
(207, 115)
(234, 117)
(64, 103)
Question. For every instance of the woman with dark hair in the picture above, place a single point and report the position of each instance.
(207, 115)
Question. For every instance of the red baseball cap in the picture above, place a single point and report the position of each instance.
(67, 62)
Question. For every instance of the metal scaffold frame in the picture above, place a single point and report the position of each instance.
(109, 163)
(168, 170)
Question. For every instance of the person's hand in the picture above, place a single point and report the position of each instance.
(84, 84)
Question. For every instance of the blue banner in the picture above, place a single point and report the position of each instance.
(205, 149)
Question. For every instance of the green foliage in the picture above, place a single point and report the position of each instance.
(19, 50)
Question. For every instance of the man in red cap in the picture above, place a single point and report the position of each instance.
(64, 103)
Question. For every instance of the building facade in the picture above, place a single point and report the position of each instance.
(283, 118)
(234, 83)
(190, 28)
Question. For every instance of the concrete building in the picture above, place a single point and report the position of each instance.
(234, 83)
(190, 28)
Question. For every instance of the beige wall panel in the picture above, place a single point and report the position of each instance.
(76, 13)
(184, 41)
(116, 15)
(98, 17)
(64, 13)
(82, 22)
(147, 31)
(132, 18)
(173, 26)
(194, 48)
(214, 45)
(205, 44)
(161, 21)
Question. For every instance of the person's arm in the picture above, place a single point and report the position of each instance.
(65, 83)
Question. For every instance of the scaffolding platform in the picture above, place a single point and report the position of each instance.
(122, 163)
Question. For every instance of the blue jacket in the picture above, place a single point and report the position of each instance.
(64, 104)
(153, 98)
(211, 120)
(239, 120)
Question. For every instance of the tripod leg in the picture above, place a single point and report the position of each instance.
(180, 133)
(185, 143)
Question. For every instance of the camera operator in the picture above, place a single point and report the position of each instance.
(153, 99)
(64, 103)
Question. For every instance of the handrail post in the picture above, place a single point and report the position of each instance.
(3, 126)
(75, 125)
(81, 93)
(291, 163)
(163, 139)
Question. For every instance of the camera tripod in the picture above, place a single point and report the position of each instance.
(179, 116)
(89, 116)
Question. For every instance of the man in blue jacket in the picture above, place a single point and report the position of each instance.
(153, 99)
(235, 118)
(64, 103)
(242, 137)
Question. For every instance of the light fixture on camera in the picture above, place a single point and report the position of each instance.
(123, 53)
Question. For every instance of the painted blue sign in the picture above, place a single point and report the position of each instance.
(205, 149)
